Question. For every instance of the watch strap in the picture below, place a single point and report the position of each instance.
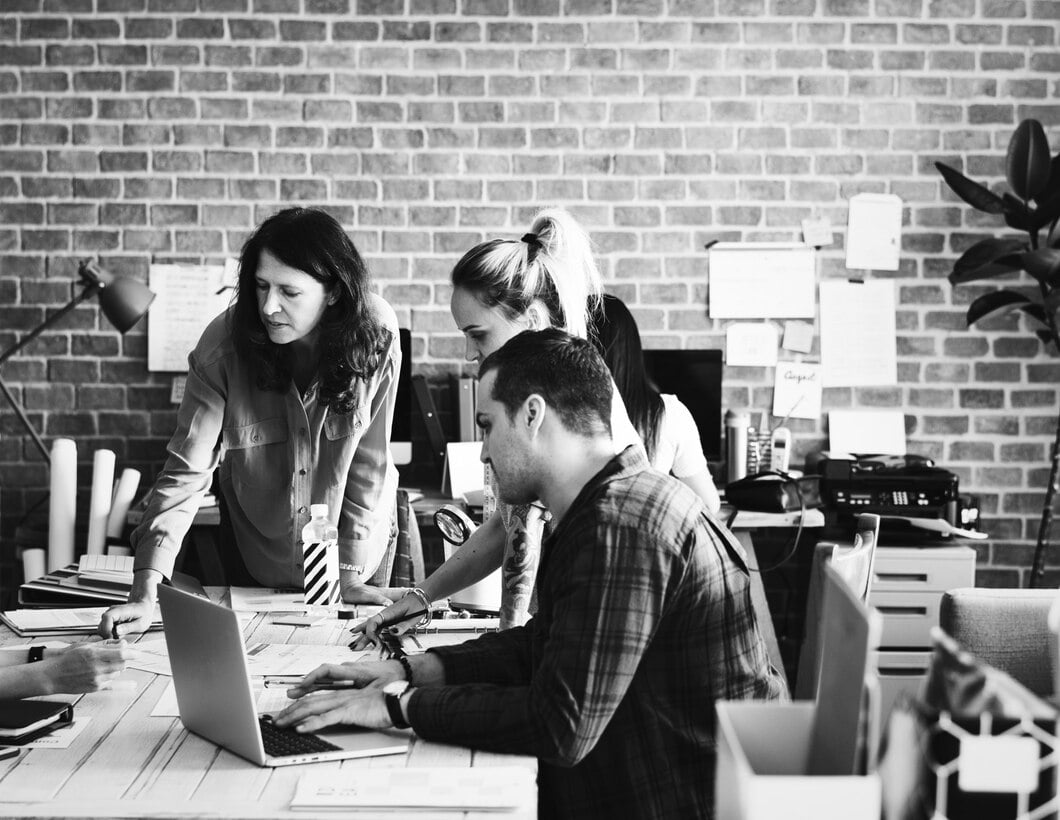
(393, 706)
(404, 661)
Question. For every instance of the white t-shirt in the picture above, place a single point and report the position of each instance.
(678, 450)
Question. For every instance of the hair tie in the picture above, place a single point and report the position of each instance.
(534, 243)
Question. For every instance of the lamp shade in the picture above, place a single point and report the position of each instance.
(123, 301)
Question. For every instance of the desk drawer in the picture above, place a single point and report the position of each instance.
(907, 617)
(909, 569)
(898, 673)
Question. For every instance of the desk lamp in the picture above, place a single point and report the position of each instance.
(123, 301)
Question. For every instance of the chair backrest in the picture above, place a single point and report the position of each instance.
(855, 564)
(1006, 628)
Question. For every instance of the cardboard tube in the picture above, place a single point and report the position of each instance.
(124, 494)
(62, 509)
(99, 504)
(32, 563)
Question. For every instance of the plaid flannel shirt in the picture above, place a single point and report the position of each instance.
(644, 621)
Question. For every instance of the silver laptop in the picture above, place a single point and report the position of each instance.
(216, 701)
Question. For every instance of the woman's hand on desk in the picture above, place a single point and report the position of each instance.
(400, 616)
(84, 668)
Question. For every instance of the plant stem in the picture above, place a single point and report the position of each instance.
(1044, 527)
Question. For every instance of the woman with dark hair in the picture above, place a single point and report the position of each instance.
(290, 396)
(666, 427)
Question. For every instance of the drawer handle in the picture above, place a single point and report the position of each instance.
(901, 672)
(898, 577)
(902, 610)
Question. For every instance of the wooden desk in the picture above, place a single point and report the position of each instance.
(126, 763)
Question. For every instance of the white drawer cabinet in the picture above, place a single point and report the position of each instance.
(907, 590)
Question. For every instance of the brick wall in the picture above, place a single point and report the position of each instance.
(139, 131)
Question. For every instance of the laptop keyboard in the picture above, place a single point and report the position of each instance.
(286, 742)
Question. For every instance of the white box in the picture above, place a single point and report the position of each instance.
(763, 754)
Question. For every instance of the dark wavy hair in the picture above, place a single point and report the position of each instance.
(352, 341)
(618, 340)
(567, 371)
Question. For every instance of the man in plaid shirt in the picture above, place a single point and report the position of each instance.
(644, 613)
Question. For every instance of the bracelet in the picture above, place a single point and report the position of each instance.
(358, 568)
(428, 613)
(36, 653)
(404, 661)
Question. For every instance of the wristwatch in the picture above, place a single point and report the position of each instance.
(392, 693)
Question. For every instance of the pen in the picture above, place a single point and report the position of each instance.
(323, 685)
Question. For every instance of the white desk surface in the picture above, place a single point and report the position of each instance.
(126, 763)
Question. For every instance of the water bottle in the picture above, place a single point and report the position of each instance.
(320, 558)
(737, 423)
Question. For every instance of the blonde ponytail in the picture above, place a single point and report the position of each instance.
(567, 260)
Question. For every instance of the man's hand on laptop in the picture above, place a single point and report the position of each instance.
(357, 675)
(362, 706)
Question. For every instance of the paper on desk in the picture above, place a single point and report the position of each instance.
(60, 737)
(858, 334)
(150, 656)
(259, 599)
(296, 659)
(494, 788)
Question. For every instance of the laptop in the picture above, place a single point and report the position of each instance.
(215, 699)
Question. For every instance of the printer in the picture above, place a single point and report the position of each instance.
(897, 486)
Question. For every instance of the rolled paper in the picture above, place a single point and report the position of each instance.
(62, 507)
(124, 494)
(32, 563)
(99, 504)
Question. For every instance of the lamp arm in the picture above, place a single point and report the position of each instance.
(90, 289)
(25, 421)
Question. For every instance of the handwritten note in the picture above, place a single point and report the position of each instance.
(797, 391)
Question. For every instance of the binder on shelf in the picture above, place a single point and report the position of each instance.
(435, 435)
(464, 402)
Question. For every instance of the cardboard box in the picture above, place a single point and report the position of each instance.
(763, 757)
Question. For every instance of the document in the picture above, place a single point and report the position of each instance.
(874, 232)
(878, 432)
(297, 659)
(797, 391)
(858, 329)
(752, 280)
(487, 788)
(187, 299)
(751, 344)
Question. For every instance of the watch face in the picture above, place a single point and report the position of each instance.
(396, 687)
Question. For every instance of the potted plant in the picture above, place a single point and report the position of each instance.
(1031, 208)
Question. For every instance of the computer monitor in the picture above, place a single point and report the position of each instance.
(401, 433)
(694, 376)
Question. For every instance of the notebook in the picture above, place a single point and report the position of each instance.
(216, 700)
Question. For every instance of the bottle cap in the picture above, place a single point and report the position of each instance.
(318, 510)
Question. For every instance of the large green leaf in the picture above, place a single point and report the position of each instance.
(988, 258)
(976, 195)
(1027, 165)
(1017, 214)
(992, 302)
(1043, 264)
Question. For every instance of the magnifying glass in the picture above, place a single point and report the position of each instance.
(454, 524)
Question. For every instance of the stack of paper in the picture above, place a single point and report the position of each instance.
(500, 788)
(67, 621)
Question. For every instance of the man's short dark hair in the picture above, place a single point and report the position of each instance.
(565, 370)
